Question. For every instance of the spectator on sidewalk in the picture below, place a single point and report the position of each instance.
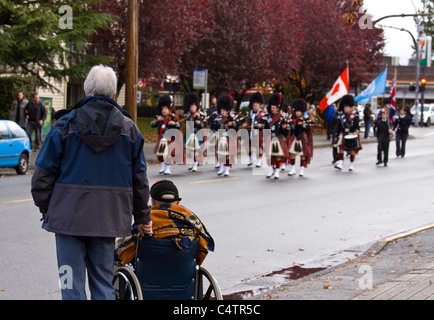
(17, 113)
(35, 114)
(90, 180)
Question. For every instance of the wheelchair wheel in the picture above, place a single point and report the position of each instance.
(126, 284)
(207, 286)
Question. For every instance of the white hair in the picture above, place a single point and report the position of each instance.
(101, 80)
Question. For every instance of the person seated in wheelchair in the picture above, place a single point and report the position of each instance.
(169, 220)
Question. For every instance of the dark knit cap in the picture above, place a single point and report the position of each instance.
(165, 191)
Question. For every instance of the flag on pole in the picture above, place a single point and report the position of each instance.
(393, 99)
(339, 89)
(376, 87)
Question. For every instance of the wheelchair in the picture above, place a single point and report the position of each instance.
(161, 271)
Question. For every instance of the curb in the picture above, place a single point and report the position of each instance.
(375, 249)
(381, 244)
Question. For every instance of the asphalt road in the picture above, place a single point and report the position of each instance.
(260, 226)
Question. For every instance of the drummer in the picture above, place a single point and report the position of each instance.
(346, 132)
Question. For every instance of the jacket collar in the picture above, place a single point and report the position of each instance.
(105, 98)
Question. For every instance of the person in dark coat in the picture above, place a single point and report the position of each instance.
(383, 131)
(17, 113)
(89, 182)
(400, 126)
(35, 114)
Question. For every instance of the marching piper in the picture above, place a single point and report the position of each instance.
(300, 142)
(346, 132)
(256, 122)
(213, 127)
(193, 145)
(278, 124)
(165, 120)
(226, 120)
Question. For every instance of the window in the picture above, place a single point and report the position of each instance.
(4, 133)
(16, 130)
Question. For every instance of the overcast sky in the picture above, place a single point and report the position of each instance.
(398, 43)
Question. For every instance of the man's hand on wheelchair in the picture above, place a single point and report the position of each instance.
(145, 228)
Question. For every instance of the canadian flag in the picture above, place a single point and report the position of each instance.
(340, 88)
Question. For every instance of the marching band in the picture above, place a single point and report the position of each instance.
(290, 129)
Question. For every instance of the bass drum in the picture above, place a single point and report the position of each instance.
(351, 142)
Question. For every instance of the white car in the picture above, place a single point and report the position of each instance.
(428, 114)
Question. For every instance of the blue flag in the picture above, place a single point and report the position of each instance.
(377, 87)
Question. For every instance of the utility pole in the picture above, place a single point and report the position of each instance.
(132, 59)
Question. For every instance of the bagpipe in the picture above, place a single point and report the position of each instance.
(159, 121)
(239, 119)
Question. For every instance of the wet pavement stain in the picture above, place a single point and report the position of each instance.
(292, 273)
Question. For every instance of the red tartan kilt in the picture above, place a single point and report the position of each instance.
(283, 145)
(307, 150)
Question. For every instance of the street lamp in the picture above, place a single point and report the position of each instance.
(416, 45)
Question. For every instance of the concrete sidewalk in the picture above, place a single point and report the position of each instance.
(396, 268)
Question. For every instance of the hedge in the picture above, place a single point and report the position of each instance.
(9, 88)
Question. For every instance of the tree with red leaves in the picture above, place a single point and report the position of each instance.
(166, 30)
(251, 41)
(328, 45)
(303, 46)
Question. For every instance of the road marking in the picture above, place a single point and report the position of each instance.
(17, 201)
(428, 134)
(215, 180)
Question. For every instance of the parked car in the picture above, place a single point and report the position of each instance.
(428, 114)
(15, 148)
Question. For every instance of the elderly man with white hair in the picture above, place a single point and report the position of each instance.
(89, 182)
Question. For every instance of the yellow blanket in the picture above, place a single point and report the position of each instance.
(168, 221)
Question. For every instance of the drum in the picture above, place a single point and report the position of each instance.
(351, 142)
